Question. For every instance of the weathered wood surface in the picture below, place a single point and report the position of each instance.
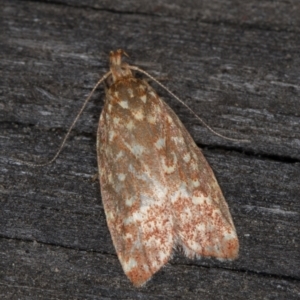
(236, 64)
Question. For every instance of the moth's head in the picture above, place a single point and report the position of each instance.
(119, 69)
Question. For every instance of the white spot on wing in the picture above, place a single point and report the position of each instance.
(201, 227)
(116, 120)
(136, 149)
(146, 268)
(160, 190)
(130, 125)
(182, 192)
(158, 110)
(194, 166)
(142, 87)
(142, 176)
(138, 115)
(187, 157)
(128, 236)
(144, 98)
(121, 176)
(168, 169)
(151, 119)
(110, 178)
(129, 265)
(109, 215)
(130, 92)
(169, 119)
(111, 135)
(195, 157)
(124, 104)
(128, 220)
(129, 201)
(230, 235)
(196, 183)
(153, 94)
(178, 140)
(160, 143)
(146, 200)
(198, 199)
(119, 155)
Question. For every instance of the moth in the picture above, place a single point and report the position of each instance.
(158, 191)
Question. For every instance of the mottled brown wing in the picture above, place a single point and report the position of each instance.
(157, 188)
(202, 221)
(134, 189)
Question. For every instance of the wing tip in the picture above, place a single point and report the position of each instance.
(226, 250)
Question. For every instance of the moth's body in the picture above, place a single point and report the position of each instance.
(157, 189)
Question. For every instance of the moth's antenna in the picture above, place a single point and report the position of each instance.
(70, 128)
(184, 104)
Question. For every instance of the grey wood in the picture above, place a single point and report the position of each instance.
(235, 63)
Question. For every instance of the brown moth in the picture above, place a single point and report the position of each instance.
(157, 188)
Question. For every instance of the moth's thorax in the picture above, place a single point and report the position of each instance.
(128, 93)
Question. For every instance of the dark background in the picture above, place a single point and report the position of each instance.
(236, 63)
